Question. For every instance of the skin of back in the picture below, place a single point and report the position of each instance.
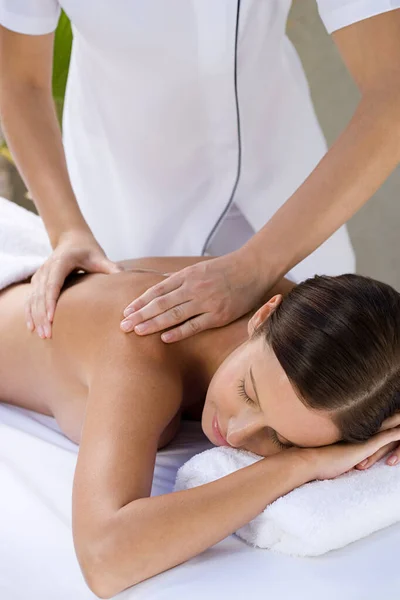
(119, 396)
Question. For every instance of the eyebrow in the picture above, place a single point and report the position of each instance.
(259, 404)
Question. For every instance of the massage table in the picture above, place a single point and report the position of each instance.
(37, 557)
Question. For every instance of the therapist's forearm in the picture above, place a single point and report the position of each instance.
(348, 175)
(33, 134)
(283, 287)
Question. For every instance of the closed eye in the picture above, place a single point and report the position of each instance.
(273, 435)
(275, 440)
(242, 392)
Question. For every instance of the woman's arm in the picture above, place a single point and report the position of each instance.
(122, 536)
(151, 535)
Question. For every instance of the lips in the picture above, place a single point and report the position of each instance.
(217, 432)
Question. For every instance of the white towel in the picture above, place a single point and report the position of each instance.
(24, 244)
(314, 518)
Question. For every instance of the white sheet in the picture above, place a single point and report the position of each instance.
(37, 559)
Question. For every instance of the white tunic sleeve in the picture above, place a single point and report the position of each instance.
(34, 17)
(336, 14)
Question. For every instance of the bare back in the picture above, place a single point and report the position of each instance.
(120, 396)
(52, 376)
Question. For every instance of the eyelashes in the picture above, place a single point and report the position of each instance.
(242, 392)
(275, 440)
(248, 400)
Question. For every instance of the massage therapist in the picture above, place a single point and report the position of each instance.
(189, 129)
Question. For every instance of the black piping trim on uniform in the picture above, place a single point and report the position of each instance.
(239, 162)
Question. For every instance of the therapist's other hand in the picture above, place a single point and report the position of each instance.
(208, 294)
(76, 250)
(394, 457)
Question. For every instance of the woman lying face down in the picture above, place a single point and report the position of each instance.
(317, 363)
(320, 366)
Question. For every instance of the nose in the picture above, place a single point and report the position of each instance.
(241, 427)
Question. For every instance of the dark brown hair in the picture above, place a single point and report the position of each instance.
(338, 340)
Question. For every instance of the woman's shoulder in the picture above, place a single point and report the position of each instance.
(88, 316)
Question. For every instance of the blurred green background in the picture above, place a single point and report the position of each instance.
(62, 54)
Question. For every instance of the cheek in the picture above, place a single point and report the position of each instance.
(220, 399)
(223, 387)
(219, 391)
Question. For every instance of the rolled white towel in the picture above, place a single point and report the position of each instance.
(24, 244)
(316, 517)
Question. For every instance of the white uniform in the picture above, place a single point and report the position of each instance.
(179, 112)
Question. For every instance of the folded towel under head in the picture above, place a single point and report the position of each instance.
(24, 244)
(314, 518)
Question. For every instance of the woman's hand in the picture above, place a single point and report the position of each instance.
(394, 456)
(328, 462)
(215, 292)
(76, 250)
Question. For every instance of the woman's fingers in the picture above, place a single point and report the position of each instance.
(391, 422)
(173, 282)
(392, 439)
(368, 462)
(394, 457)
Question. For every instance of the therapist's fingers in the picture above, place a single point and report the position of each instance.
(161, 313)
(53, 285)
(173, 282)
(29, 310)
(191, 327)
(171, 317)
(46, 285)
(52, 279)
(39, 303)
(28, 315)
(160, 306)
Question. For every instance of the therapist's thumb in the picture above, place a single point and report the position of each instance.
(103, 265)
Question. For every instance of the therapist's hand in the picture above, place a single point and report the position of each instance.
(76, 250)
(211, 293)
(393, 448)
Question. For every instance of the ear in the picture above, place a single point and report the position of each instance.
(263, 313)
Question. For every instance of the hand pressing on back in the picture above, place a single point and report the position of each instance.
(76, 250)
